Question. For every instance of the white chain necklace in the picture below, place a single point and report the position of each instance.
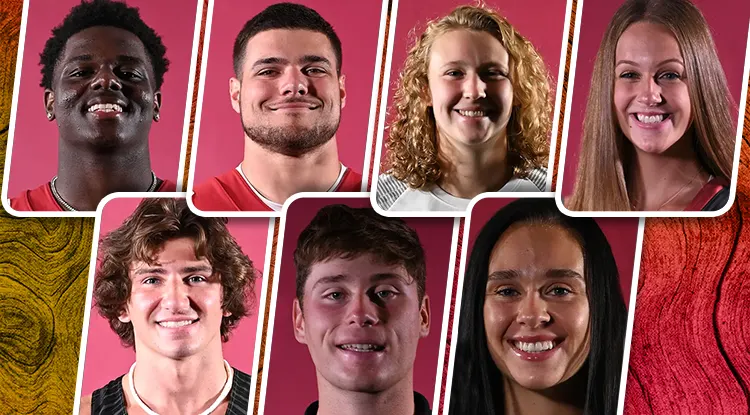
(214, 405)
(65, 205)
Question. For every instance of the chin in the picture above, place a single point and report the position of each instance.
(536, 383)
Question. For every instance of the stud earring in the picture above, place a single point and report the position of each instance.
(156, 117)
(49, 116)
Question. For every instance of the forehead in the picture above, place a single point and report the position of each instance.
(647, 42)
(365, 269)
(174, 252)
(533, 249)
(104, 42)
(290, 44)
(469, 46)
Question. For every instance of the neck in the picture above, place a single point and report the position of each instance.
(277, 176)
(667, 181)
(396, 400)
(168, 386)
(567, 398)
(471, 170)
(84, 178)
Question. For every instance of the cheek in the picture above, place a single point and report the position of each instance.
(575, 318)
(622, 97)
(142, 303)
(497, 319)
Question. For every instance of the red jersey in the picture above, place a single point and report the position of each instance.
(230, 192)
(42, 200)
(712, 196)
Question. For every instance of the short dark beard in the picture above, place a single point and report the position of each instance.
(291, 142)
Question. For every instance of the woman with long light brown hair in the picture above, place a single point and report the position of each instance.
(659, 134)
(472, 115)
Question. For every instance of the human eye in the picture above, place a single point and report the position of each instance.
(127, 73)
(670, 76)
(315, 70)
(385, 294)
(150, 281)
(266, 72)
(333, 295)
(454, 73)
(559, 291)
(507, 292)
(194, 279)
(495, 73)
(629, 75)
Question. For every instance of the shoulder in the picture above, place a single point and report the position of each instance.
(37, 199)
(388, 191)
(167, 186)
(538, 176)
(220, 193)
(351, 182)
(85, 407)
(421, 404)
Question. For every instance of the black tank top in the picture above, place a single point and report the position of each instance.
(110, 400)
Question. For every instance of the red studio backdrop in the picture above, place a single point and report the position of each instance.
(34, 152)
(221, 140)
(290, 357)
(621, 233)
(106, 358)
(727, 20)
(542, 22)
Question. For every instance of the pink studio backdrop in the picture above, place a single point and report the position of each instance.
(106, 358)
(221, 140)
(621, 233)
(728, 21)
(291, 368)
(34, 152)
(540, 21)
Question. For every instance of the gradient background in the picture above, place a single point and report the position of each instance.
(107, 359)
(621, 234)
(34, 153)
(221, 143)
(542, 22)
(728, 20)
(290, 366)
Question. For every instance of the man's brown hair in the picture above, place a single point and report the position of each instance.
(340, 231)
(140, 238)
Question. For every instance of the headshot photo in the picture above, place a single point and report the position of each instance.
(175, 303)
(470, 102)
(285, 103)
(359, 306)
(100, 103)
(652, 125)
(542, 315)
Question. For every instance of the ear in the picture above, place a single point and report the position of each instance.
(298, 320)
(342, 90)
(157, 105)
(124, 316)
(234, 93)
(49, 103)
(225, 313)
(424, 316)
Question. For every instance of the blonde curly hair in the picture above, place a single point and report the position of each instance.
(412, 154)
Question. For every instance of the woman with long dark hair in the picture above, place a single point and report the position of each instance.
(542, 319)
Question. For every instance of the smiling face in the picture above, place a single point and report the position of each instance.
(290, 95)
(651, 88)
(103, 89)
(175, 303)
(362, 321)
(470, 89)
(536, 310)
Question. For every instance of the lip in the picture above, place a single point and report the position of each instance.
(102, 114)
(650, 126)
(534, 356)
(294, 106)
(172, 321)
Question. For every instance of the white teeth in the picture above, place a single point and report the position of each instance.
(105, 108)
(173, 324)
(472, 113)
(535, 347)
(650, 119)
(361, 347)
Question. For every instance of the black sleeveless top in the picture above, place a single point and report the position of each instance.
(110, 400)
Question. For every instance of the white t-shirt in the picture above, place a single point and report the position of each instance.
(394, 195)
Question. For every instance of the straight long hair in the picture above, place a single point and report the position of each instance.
(601, 180)
(477, 382)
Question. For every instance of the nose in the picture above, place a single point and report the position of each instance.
(363, 311)
(175, 296)
(106, 78)
(650, 93)
(532, 312)
(474, 87)
(293, 83)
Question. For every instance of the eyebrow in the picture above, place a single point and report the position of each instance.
(184, 270)
(482, 65)
(332, 279)
(629, 62)
(510, 274)
(283, 61)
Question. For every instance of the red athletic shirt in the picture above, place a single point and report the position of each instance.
(707, 194)
(42, 200)
(230, 192)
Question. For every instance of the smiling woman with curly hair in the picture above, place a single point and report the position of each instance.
(472, 115)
